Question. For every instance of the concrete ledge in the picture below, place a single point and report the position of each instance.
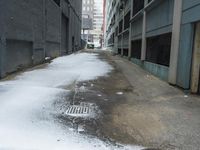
(155, 69)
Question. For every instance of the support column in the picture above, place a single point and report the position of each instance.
(143, 51)
(175, 41)
(196, 61)
(130, 32)
(123, 15)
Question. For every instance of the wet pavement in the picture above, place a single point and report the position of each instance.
(144, 111)
(128, 106)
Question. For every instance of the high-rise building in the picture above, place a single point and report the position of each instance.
(98, 22)
(92, 10)
(87, 19)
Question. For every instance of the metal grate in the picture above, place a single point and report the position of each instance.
(77, 110)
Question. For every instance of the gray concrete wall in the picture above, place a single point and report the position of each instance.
(160, 18)
(23, 24)
(2, 25)
(126, 40)
(53, 29)
(18, 55)
(31, 30)
(136, 29)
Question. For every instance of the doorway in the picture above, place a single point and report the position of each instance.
(195, 81)
(73, 44)
(64, 35)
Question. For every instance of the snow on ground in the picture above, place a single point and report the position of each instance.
(26, 106)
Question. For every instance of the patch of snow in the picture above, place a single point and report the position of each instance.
(99, 95)
(119, 93)
(47, 58)
(81, 128)
(84, 84)
(82, 89)
(27, 106)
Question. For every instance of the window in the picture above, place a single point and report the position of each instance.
(125, 52)
(136, 47)
(158, 49)
(116, 31)
(126, 22)
(137, 6)
(57, 2)
(111, 39)
(120, 26)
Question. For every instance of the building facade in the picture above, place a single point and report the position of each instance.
(33, 30)
(98, 23)
(93, 10)
(161, 36)
(87, 19)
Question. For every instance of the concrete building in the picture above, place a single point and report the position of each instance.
(93, 10)
(87, 19)
(98, 22)
(161, 36)
(33, 30)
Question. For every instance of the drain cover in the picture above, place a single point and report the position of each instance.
(76, 110)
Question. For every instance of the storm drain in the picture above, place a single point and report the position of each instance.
(76, 110)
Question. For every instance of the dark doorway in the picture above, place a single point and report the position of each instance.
(64, 35)
(73, 44)
(136, 49)
(125, 52)
(119, 51)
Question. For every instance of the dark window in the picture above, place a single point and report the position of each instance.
(125, 52)
(120, 26)
(57, 2)
(158, 49)
(136, 49)
(116, 31)
(119, 51)
(73, 44)
(111, 39)
(137, 6)
(127, 21)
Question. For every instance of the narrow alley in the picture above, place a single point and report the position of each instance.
(94, 100)
(99, 75)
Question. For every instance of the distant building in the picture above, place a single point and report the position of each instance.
(35, 29)
(93, 10)
(87, 19)
(98, 22)
(161, 36)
